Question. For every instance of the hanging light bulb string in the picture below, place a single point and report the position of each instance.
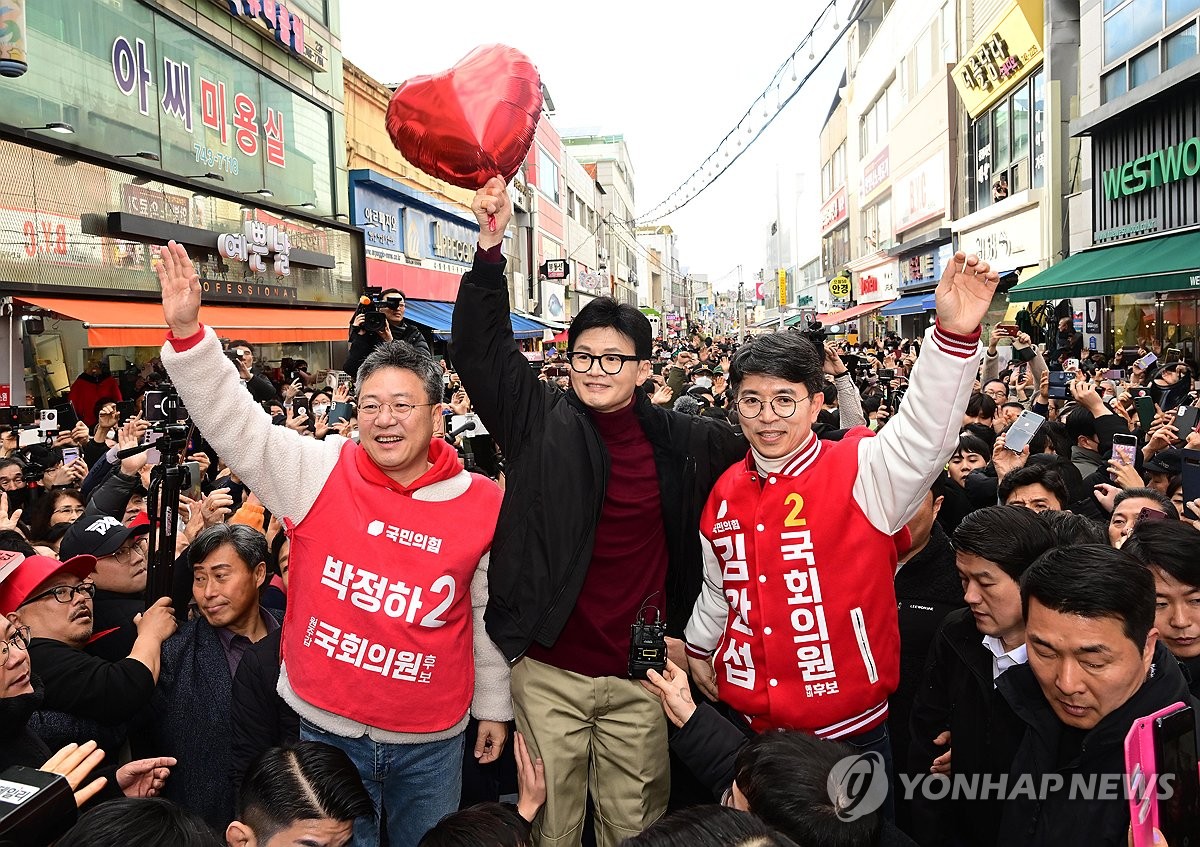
(713, 167)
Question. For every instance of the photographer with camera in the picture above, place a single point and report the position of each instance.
(257, 383)
(378, 319)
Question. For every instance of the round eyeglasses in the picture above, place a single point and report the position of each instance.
(20, 640)
(783, 406)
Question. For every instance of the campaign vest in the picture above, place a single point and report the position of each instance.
(379, 626)
(811, 641)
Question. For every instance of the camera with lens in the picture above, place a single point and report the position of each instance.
(370, 304)
(814, 331)
(16, 417)
(162, 407)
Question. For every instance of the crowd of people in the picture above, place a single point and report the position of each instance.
(647, 592)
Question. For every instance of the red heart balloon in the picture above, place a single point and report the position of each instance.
(472, 122)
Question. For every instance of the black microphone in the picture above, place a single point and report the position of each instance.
(454, 433)
(36, 807)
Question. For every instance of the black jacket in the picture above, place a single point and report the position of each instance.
(259, 718)
(113, 624)
(556, 469)
(957, 693)
(190, 721)
(363, 343)
(708, 744)
(1061, 820)
(927, 589)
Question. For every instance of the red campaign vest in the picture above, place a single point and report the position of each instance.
(812, 640)
(391, 647)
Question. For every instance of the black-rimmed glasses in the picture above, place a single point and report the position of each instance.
(65, 593)
(610, 363)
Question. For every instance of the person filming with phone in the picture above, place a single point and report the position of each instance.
(384, 653)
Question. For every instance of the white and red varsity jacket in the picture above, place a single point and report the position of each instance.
(798, 609)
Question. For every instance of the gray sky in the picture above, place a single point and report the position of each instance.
(672, 77)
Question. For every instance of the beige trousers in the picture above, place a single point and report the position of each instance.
(606, 735)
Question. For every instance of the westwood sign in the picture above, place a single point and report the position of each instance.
(1159, 167)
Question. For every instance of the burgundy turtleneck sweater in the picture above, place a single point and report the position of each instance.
(629, 557)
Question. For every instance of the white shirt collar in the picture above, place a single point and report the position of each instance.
(1002, 660)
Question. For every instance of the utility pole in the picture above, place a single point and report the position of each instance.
(741, 314)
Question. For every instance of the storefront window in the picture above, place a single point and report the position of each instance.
(1009, 147)
(835, 250)
(129, 80)
(1180, 321)
(1132, 319)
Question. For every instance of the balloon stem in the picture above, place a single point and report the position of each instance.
(491, 223)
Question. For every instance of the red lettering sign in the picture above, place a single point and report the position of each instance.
(868, 285)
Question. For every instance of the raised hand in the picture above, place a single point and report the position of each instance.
(491, 204)
(965, 293)
(180, 290)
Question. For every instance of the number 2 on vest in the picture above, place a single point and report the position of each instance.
(797, 504)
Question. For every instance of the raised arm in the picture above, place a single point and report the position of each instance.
(897, 468)
(285, 469)
(504, 390)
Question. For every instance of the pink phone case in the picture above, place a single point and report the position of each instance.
(1141, 770)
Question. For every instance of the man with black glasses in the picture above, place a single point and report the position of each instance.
(602, 500)
(95, 697)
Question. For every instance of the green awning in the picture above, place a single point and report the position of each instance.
(1169, 263)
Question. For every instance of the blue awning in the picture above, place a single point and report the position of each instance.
(913, 304)
(525, 328)
(439, 316)
(431, 313)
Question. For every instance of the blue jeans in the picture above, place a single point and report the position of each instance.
(413, 785)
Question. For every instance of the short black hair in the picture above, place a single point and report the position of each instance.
(139, 822)
(307, 781)
(784, 776)
(981, 406)
(1000, 382)
(969, 442)
(1032, 474)
(1170, 545)
(15, 542)
(709, 826)
(481, 825)
(607, 313)
(1163, 501)
(238, 342)
(786, 355)
(1011, 536)
(1080, 422)
(1093, 581)
(1070, 528)
(1012, 404)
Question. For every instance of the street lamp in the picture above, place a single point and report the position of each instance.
(54, 126)
(141, 154)
(209, 175)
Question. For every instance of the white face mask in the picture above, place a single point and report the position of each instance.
(704, 381)
(320, 409)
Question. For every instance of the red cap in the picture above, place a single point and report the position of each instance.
(142, 519)
(32, 571)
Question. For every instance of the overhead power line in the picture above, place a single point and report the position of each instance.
(761, 114)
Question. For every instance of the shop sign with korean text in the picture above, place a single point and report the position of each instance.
(1011, 49)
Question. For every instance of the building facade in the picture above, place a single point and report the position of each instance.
(1133, 276)
(205, 122)
(606, 158)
